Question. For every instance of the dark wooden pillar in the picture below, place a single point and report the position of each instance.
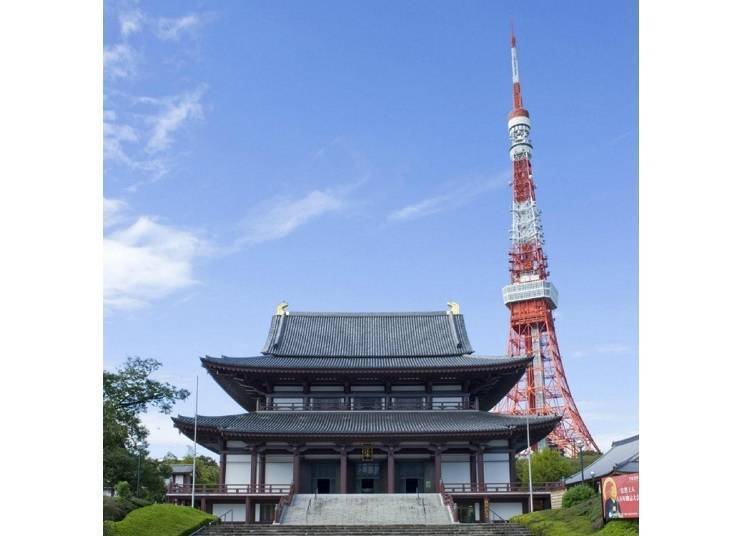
(473, 470)
(438, 463)
(222, 468)
(485, 517)
(204, 505)
(344, 462)
(295, 469)
(249, 511)
(391, 471)
(222, 461)
(512, 467)
(480, 469)
(254, 471)
(262, 470)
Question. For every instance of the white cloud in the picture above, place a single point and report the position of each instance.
(146, 260)
(452, 200)
(114, 210)
(119, 61)
(275, 219)
(130, 22)
(175, 112)
(173, 29)
(610, 348)
(115, 135)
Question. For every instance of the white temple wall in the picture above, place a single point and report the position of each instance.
(496, 467)
(238, 469)
(455, 468)
(279, 469)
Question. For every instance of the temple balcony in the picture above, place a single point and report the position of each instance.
(370, 403)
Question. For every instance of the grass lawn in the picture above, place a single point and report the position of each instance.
(158, 520)
(578, 520)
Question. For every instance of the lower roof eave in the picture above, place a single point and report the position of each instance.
(515, 434)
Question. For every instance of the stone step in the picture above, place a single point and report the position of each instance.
(468, 529)
(357, 509)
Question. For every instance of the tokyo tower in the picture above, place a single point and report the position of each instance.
(531, 298)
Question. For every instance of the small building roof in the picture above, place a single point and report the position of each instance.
(181, 468)
(370, 424)
(418, 334)
(622, 457)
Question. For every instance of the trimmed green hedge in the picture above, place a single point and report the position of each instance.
(158, 520)
(580, 519)
(116, 508)
(577, 494)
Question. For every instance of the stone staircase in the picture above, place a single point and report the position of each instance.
(358, 509)
(468, 529)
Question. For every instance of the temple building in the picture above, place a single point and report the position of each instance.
(366, 403)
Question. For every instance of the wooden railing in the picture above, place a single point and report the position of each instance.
(283, 502)
(231, 489)
(448, 500)
(501, 487)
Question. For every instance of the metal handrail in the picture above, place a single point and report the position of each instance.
(214, 521)
(501, 519)
(309, 503)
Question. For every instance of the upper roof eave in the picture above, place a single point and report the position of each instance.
(357, 365)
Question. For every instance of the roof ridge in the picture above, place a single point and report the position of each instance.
(368, 313)
(623, 441)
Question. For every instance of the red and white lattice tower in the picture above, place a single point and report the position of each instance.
(531, 298)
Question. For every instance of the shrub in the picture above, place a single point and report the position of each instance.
(122, 489)
(577, 494)
(116, 508)
(620, 527)
(159, 520)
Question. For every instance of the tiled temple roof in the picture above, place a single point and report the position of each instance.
(367, 423)
(622, 457)
(421, 334)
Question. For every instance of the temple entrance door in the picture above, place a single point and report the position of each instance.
(323, 477)
(410, 477)
(367, 476)
(322, 485)
(411, 485)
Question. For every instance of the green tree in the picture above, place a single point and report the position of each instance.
(547, 465)
(128, 393)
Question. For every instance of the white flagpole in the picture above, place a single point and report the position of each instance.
(528, 446)
(195, 441)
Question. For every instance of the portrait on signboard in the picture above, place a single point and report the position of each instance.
(609, 494)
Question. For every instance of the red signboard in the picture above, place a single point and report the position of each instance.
(620, 497)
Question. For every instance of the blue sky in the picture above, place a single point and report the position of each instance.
(352, 156)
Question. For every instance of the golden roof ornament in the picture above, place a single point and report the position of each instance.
(281, 309)
(453, 308)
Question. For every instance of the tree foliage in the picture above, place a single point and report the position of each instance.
(128, 393)
(547, 465)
